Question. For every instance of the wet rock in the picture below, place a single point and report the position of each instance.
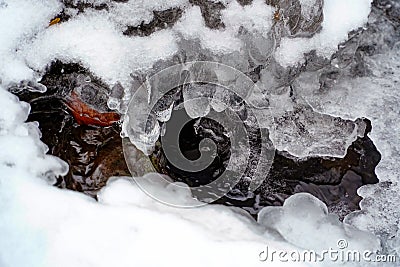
(162, 20)
(211, 12)
(390, 7)
(245, 2)
(300, 19)
(94, 153)
(80, 6)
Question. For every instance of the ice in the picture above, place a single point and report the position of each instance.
(375, 96)
(309, 7)
(303, 214)
(340, 17)
(304, 132)
(42, 224)
(20, 142)
(197, 100)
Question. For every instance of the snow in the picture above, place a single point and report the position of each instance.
(192, 27)
(84, 40)
(340, 17)
(20, 20)
(20, 141)
(256, 18)
(94, 33)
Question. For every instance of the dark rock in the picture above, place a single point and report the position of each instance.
(211, 13)
(245, 2)
(93, 153)
(296, 23)
(162, 20)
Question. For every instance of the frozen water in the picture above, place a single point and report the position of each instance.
(372, 93)
(303, 133)
(196, 100)
(20, 21)
(305, 212)
(20, 142)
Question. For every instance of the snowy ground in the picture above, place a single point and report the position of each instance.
(41, 225)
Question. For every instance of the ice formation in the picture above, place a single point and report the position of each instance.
(40, 224)
(379, 102)
(22, 149)
(302, 211)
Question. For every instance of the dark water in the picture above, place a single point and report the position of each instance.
(93, 153)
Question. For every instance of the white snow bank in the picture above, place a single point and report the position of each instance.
(133, 12)
(20, 20)
(21, 148)
(340, 17)
(96, 43)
